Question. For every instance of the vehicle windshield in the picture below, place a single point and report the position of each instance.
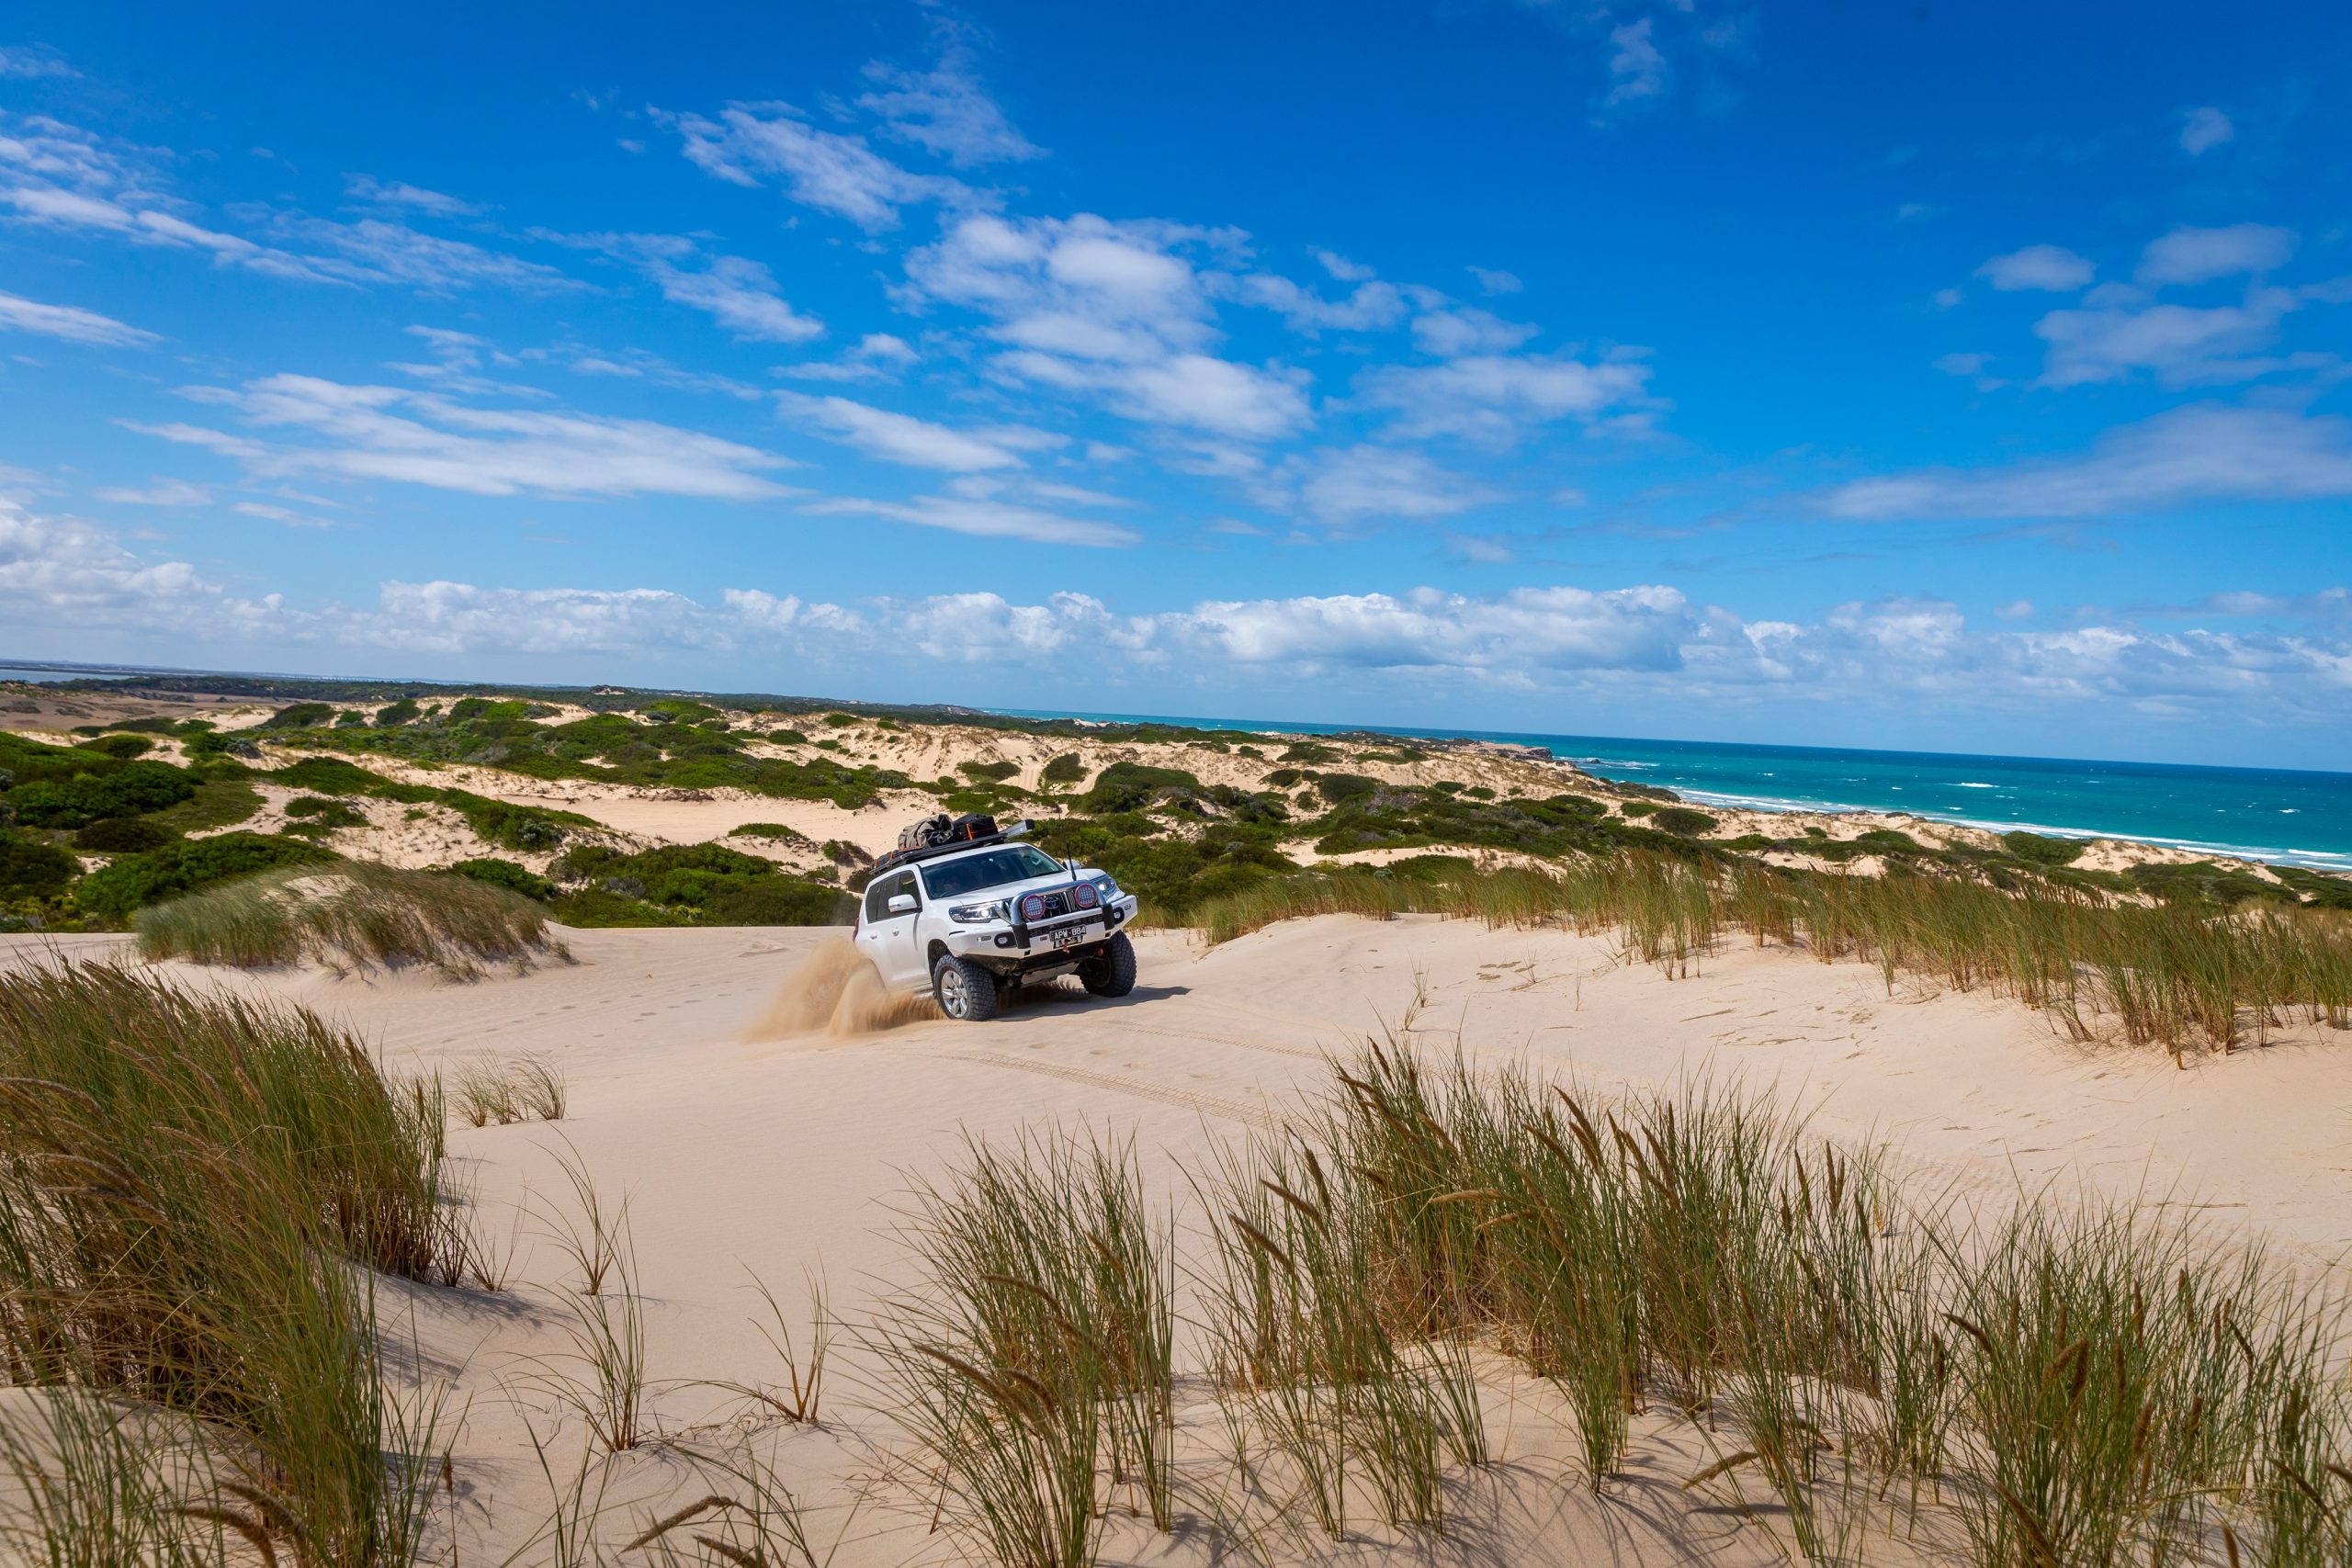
(991, 868)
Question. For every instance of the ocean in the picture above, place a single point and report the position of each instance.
(2271, 814)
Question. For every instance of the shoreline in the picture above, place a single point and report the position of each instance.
(1542, 747)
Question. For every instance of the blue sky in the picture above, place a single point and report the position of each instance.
(1955, 376)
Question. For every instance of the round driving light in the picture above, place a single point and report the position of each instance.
(1033, 908)
(1087, 898)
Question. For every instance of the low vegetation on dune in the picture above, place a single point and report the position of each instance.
(185, 1187)
(351, 915)
(2174, 972)
(1855, 1361)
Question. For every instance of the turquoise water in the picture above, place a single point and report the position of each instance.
(2275, 814)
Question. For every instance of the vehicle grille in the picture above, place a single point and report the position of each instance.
(1056, 903)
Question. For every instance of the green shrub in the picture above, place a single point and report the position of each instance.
(508, 875)
(774, 833)
(30, 869)
(987, 773)
(1479, 792)
(1682, 821)
(776, 901)
(392, 716)
(1130, 786)
(679, 710)
(184, 866)
(785, 737)
(1308, 751)
(2042, 849)
(840, 720)
(1638, 807)
(351, 718)
(1283, 778)
(1064, 769)
(118, 789)
(217, 803)
(301, 715)
(331, 813)
(590, 909)
(357, 916)
(124, 746)
(1339, 788)
(123, 836)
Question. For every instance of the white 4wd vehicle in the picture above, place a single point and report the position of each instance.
(969, 921)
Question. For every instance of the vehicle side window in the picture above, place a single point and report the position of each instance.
(878, 894)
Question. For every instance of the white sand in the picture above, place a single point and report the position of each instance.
(784, 1157)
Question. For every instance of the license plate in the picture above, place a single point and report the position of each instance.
(1069, 936)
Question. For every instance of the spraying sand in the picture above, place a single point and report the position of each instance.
(836, 991)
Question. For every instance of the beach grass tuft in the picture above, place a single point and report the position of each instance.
(352, 915)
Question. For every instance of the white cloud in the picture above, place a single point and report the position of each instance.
(23, 64)
(824, 169)
(1195, 390)
(270, 513)
(2202, 453)
(896, 437)
(378, 249)
(1115, 310)
(398, 193)
(2015, 610)
(2199, 255)
(1491, 398)
(984, 518)
(946, 112)
(741, 295)
(161, 493)
(1355, 484)
(878, 356)
(1524, 631)
(1465, 329)
(58, 569)
(70, 322)
(1637, 68)
(2179, 344)
(2052, 268)
(1493, 280)
(1370, 307)
(388, 433)
(1963, 364)
(2204, 129)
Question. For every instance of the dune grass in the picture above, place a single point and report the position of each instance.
(2169, 974)
(352, 915)
(196, 1196)
(1037, 1353)
(2061, 1381)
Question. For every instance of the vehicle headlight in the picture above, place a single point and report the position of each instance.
(1106, 887)
(975, 914)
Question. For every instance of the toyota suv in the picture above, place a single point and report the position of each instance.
(970, 920)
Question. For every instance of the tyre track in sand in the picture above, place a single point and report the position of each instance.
(1142, 1089)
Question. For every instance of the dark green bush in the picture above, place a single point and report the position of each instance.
(189, 864)
(990, 772)
(1130, 786)
(508, 875)
(1682, 821)
(1638, 807)
(1064, 769)
(30, 869)
(123, 747)
(1339, 788)
(112, 788)
(776, 901)
(2042, 849)
(1308, 751)
(301, 715)
(392, 716)
(123, 836)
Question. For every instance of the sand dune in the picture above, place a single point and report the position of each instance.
(745, 1151)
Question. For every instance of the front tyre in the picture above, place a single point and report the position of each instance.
(1114, 974)
(965, 991)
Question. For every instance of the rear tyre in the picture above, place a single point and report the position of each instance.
(965, 991)
(1114, 974)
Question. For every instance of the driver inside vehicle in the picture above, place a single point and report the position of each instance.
(994, 868)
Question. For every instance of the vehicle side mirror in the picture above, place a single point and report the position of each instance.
(902, 903)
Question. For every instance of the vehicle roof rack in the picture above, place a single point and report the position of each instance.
(897, 858)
